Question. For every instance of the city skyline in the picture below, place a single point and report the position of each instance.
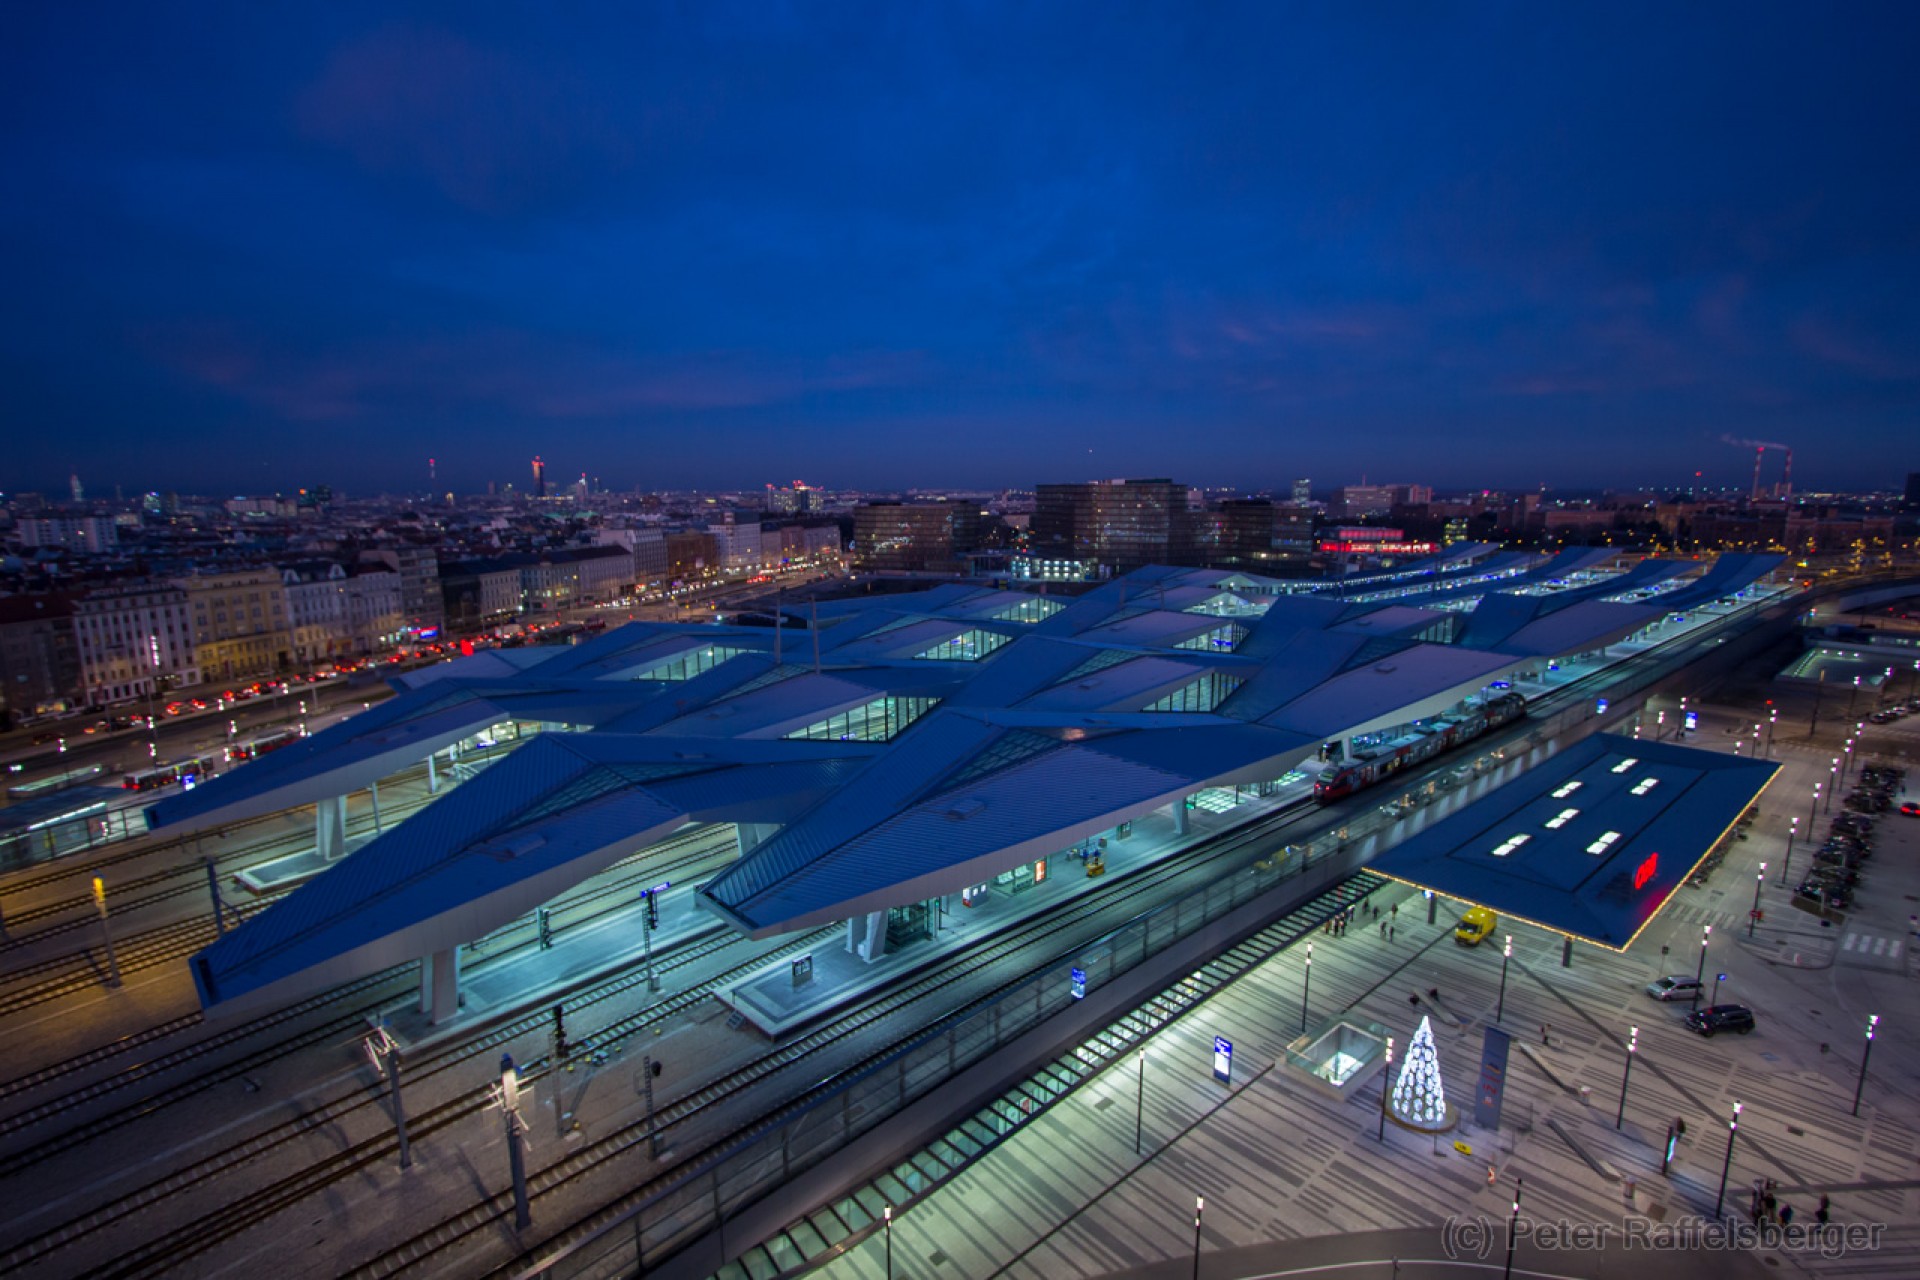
(905, 247)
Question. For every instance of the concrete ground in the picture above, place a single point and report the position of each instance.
(1296, 1183)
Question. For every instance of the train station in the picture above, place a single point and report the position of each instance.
(890, 766)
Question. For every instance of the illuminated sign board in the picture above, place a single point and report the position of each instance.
(1349, 547)
(1222, 1059)
(1644, 872)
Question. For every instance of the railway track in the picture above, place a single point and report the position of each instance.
(1037, 934)
(168, 1249)
(603, 900)
(192, 1239)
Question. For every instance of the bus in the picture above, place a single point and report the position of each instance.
(261, 746)
(185, 772)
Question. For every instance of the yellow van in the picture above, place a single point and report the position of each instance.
(1474, 926)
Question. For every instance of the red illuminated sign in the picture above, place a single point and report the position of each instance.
(1644, 872)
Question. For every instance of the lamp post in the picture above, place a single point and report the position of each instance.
(1506, 954)
(887, 1218)
(1733, 1131)
(1773, 719)
(1753, 917)
(1813, 810)
(1865, 1053)
(106, 930)
(1306, 982)
(1513, 1229)
(1833, 785)
(1700, 971)
(1633, 1045)
(1433, 905)
(1386, 1082)
(1140, 1106)
(1793, 829)
(1199, 1207)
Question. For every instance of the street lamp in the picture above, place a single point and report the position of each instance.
(1833, 784)
(1140, 1106)
(1793, 829)
(1753, 917)
(1813, 810)
(1306, 981)
(887, 1218)
(1199, 1207)
(1865, 1053)
(1505, 955)
(1633, 1045)
(1386, 1081)
(1733, 1131)
(1513, 1228)
(1700, 972)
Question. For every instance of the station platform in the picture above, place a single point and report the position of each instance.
(796, 991)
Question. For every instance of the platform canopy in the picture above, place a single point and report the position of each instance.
(1593, 842)
(884, 749)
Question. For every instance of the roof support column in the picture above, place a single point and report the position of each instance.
(751, 835)
(875, 945)
(330, 828)
(1181, 826)
(440, 985)
(433, 774)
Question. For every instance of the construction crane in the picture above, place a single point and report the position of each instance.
(1784, 489)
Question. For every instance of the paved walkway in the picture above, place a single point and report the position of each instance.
(1296, 1183)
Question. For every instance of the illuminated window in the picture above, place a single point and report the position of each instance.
(1508, 845)
(1626, 764)
(1604, 843)
(968, 646)
(1204, 694)
(1562, 792)
(1645, 785)
(1561, 819)
(876, 721)
(690, 664)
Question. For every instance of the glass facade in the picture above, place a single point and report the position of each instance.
(1204, 694)
(968, 646)
(877, 721)
(1120, 524)
(687, 665)
(1031, 609)
(1219, 639)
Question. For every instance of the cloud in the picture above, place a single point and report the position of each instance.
(512, 374)
(489, 131)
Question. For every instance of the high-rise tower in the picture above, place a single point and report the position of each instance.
(539, 477)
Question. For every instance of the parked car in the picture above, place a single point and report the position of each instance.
(1721, 1017)
(1678, 987)
(1910, 809)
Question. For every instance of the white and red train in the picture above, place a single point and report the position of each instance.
(1422, 743)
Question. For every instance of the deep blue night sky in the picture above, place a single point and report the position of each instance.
(983, 244)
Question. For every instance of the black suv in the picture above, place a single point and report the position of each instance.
(1721, 1017)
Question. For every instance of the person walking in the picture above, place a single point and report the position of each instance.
(1546, 1037)
(1383, 931)
(1786, 1215)
(1825, 1211)
(1391, 930)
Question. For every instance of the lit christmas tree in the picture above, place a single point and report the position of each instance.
(1418, 1096)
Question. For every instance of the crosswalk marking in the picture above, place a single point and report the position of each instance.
(1875, 944)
